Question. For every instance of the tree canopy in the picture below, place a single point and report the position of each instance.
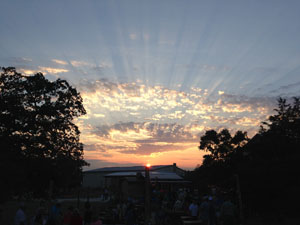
(221, 145)
(38, 136)
(267, 164)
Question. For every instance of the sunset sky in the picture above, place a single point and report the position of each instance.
(156, 74)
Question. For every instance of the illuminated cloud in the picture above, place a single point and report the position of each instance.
(27, 71)
(99, 115)
(145, 138)
(165, 120)
(76, 63)
(133, 36)
(137, 102)
(52, 70)
(61, 62)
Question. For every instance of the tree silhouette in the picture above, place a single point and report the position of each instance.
(267, 164)
(221, 145)
(37, 132)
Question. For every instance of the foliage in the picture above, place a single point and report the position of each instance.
(222, 145)
(267, 164)
(38, 136)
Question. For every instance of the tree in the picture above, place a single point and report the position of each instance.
(267, 164)
(225, 153)
(37, 129)
(221, 145)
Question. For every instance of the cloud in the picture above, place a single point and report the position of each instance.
(61, 62)
(100, 163)
(146, 37)
(166, 121)
(289, 88)
(76, 63)
(94, 147)
(133, 36)
(52, 70)
(146, 138)
(19, 60)
(27, 71)
(137, 102)
(206, 67)
(99, 115)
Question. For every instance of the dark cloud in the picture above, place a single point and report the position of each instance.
(147, 149)
(102, 84)
(163, 137)
(94, 147)
(102, 147)
(17, 60)
(103, 131)
(98, 69)
(171, 133)
(286, 87)
(253, 102)
(97, 163)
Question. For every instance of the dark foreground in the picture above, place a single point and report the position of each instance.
(9, 209)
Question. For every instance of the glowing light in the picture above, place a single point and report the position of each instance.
(148, 165)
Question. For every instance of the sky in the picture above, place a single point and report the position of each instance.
(155, 75)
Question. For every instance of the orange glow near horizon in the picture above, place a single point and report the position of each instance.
(157, 124)
(148, 165)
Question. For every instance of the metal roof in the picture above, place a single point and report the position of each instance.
(153, 175)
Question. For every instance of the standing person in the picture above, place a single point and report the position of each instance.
(68, 215)
(40, 217)
(228, 211)
(20, 217)
(88, 214)
(130, 216)
(55, 214)
(212, 216)
(204, 211)
(76, 218)
(194, 209)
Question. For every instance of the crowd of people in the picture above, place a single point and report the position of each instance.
(56, 216)
(211, 209)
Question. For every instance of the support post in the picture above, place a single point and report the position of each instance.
(238, 192)
(147, 195)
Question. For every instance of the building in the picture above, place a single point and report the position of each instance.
(131, 184)
(98, 178)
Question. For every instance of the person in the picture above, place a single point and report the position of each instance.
(76, 219)
(20, 217)
(55, 214)
(68, 215)
(228, 212)
(87, 218)
(212, 216)
(130, 215)
(40, 217)
(204, 210)
(194, 209)
(98, 221)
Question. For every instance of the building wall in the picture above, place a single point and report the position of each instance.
(98, 180)
(173, 169)
(94, 180)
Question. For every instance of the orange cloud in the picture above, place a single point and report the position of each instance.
(61, 62)
(166, 121)
(46, 70)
